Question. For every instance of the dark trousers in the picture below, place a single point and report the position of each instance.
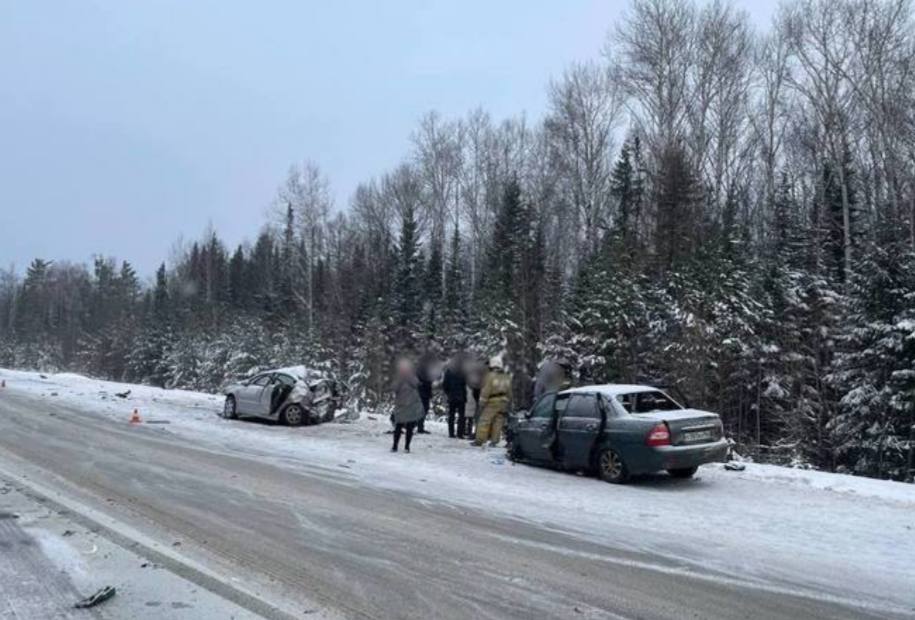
(425, 399)
(398, 429)
(456, 407)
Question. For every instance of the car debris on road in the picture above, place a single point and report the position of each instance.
(100, 596)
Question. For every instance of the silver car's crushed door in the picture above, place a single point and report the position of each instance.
(262, 404)
(249, 396)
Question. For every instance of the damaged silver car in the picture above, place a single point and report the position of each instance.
(292, 396)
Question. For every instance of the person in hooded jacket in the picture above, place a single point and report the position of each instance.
(408, 407)
(454, 385)
(495, 400)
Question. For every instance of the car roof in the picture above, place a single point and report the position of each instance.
(611, 389)
(302, 373)
(267, 373)
(297, 372)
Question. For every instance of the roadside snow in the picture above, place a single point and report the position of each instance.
(824, 481)
(850, 537)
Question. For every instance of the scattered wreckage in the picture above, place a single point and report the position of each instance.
(293, 396)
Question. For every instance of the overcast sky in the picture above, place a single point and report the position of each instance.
(126, 125)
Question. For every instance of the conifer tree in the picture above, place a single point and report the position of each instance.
(874, 367)
(407, 287)
(676, 197)
(432, 288)
(454, 284)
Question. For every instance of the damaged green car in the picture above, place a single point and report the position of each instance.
(616, 431)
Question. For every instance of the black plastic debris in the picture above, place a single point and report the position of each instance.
(734, 466)
(122, 394)
(99, 597)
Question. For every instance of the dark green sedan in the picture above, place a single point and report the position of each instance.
(616, 431)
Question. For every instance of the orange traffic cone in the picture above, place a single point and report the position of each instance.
(135, 418)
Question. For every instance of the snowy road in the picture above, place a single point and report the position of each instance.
(324, 520)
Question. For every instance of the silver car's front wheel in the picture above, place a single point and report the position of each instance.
(293, 415)
(228, 409)
(611, 468)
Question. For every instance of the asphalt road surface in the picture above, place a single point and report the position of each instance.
(310, 540)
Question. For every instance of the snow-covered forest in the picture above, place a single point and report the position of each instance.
(706, 205)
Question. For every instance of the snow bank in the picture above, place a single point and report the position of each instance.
(888, 490)
(846, 536)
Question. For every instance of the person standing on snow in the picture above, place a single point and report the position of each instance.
(470, 411)
(408, 407)
(495, 399)
(474, 372)
(425, 375)
(454, 385)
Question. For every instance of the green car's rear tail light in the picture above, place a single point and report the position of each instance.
(659, 435)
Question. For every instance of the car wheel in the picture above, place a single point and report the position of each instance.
(684, 472)
(293, 415)
(514, 452)
(611, 468)
(229, 411)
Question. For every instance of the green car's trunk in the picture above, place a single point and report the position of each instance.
(687, 426)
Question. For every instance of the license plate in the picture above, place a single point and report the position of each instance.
(697, 436)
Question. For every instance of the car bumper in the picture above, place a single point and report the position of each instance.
(681, 457)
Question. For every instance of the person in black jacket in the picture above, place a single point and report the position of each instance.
(425, 374)
(454, 385)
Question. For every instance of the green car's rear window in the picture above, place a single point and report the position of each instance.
(646, 402)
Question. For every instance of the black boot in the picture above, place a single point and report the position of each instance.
(409, 438)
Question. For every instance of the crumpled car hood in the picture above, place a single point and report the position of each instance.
(299, 394)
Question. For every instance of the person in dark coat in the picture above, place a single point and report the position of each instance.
(408, 407)
(454, 385)
(425, 375)
(554, 375)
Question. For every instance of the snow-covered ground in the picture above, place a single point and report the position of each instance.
(848, 537)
